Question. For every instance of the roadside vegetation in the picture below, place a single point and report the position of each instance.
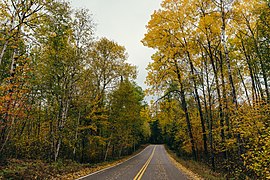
(211, 73)
(68, 100)
(193, 169)
(61, 169)
(66, 97)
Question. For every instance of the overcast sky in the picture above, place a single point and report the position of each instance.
(124, 22)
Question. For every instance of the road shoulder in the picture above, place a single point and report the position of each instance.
(187, 172)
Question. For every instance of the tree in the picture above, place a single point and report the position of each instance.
(17, 19)
(211, 52)
(125, 122)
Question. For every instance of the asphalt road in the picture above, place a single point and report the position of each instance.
(152, 163)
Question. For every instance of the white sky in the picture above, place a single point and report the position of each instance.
(124, 21)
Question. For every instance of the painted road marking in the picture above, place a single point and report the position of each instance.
(103, 170)
(141, 172)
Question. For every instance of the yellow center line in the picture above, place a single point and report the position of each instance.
(141, 172)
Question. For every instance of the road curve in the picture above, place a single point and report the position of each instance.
(152, 163)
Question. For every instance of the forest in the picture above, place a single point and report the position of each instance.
(211, 73)
(66, 94)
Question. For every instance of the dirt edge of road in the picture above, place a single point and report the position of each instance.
(187, 172)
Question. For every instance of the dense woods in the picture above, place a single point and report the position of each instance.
(64, 94)
(68, 95)
(211, 73)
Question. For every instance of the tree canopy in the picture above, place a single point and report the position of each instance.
(211, 70)
(65, 94)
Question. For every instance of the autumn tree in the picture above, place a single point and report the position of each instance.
(126, 105)
(209, 56)
(18, 19)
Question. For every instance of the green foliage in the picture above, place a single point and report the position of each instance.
(126, 106)
(156, 133)
(64, 94)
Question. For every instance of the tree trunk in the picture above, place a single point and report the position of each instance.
(3, 52)
(120, 151)
(61, 125)
(58, 148)
(228, 63)
(263, 66)
(247, 58)
(245, 88)
(76, 135)
(198, 104)
(184, 107)
(108, 147)
(224, 96)
(210, 118)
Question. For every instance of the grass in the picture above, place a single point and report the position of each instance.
(200, 169)
(36, 169)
